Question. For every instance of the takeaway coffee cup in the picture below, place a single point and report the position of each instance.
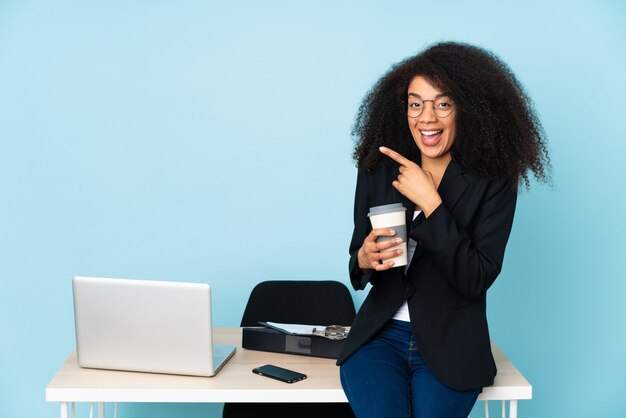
(392, 217)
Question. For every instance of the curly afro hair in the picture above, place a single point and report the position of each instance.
(498, 135)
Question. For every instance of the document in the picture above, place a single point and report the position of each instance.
(332, 332)
(294, 329)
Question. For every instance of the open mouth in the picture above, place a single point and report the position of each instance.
(431, 138)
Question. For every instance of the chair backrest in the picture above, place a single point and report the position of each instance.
(299, 302)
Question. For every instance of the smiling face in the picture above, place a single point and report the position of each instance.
(433, 134)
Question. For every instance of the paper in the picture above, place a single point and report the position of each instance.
(295, 329)
(332, 332)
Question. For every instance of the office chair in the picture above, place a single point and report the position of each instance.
(296, 302)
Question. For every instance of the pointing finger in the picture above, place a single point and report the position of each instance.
(396, 156)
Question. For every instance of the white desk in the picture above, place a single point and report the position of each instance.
(236, 382)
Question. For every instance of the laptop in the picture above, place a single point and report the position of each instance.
(146, 326)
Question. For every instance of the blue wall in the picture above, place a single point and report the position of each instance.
(201, 142)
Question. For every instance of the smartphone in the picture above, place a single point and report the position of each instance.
(278, 373)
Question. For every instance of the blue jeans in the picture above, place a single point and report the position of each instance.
(387, 377)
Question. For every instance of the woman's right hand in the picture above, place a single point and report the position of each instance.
(371, 252)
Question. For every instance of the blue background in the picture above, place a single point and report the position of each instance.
(210, 142)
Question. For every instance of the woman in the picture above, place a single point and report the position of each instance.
(450, 134)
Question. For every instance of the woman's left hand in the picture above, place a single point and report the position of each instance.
(414, 183)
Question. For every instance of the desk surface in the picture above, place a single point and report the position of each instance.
(236, 382)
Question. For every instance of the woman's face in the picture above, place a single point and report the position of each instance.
(432, 130)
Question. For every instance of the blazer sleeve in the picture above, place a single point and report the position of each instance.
(470, 262)
(362, 228)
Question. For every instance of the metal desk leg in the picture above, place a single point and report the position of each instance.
(100, 409)
(513, 408)
(64, 410)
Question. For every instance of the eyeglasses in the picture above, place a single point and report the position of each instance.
(442, 106)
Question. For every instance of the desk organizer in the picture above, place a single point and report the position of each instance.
(267, 339)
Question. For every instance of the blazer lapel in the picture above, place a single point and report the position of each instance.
(452, 186)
